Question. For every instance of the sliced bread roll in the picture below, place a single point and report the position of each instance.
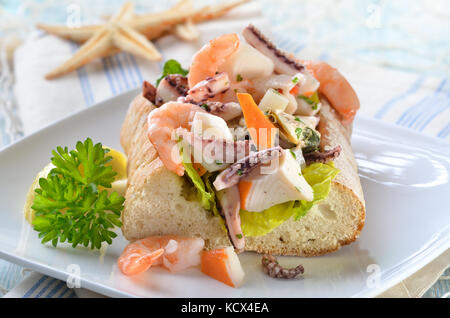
(158, 202)
(334, 222)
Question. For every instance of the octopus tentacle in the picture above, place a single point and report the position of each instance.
(284, 64)
(322, 156)
(231, 176)
(272, 268)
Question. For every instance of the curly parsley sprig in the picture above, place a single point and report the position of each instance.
(71, 204)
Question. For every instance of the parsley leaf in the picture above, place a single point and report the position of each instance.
(313, 100)
(71, 204)
(239, 78)
(172, 67)
(293, 153)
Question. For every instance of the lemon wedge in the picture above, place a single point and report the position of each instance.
(27, 210)
(118, 164)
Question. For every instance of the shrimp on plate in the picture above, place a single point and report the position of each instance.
(162, 124)
(335, 88)
(173, 252)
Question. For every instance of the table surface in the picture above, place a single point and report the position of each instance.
(405, 35)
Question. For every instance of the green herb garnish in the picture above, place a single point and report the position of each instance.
(172, 67)
(293, 153)
(298, 132)
(239, 78)
(313, 100)
(239, 236)
(295, 80)
(276, 91)
(239, 172)
(306, 99)
(72, 203)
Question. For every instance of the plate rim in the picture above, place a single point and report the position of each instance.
(419, 259)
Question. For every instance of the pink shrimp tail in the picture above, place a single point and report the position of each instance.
(135, 261)
(336, 89)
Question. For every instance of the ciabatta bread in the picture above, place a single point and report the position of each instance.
(158, 202)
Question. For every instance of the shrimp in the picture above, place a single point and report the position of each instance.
(173, 252)
(336, 89)
(162, 124)
(138, 257)
(211, 56)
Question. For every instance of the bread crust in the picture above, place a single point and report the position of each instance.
(333, 223)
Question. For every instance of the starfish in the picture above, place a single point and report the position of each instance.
(133, 33)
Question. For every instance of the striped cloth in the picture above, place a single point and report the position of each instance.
(36, 285)
(414, 100)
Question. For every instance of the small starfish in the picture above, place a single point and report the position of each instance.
(128, 32)
(116, 34)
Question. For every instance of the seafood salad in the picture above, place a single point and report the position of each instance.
(241, 126)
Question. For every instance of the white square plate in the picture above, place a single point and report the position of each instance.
(405, 177)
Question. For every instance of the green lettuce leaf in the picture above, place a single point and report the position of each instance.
(208, 178)
(319, 177)
(171, 67)
(206, 198)
(205, 190)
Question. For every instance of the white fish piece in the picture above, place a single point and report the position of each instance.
(210, 126)
(275, 81)
(310, 121)
(306, 82)
(292, 104)
(286, 183)
(273, 100)
(306, 109)
(247, 63)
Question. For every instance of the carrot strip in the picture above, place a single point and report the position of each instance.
(308, 94)
(244, 190)
(199, 168)
(261, 130)
(294, 91)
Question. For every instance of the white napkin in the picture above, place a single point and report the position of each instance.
(44, 101)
